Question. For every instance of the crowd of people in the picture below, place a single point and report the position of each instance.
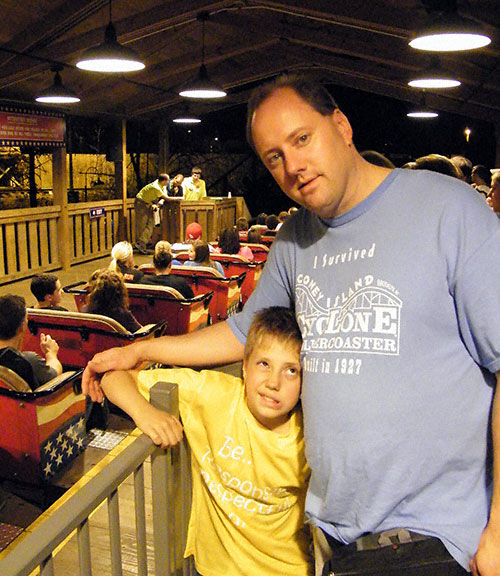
(377, 309)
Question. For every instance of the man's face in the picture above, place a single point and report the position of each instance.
(309, 155)
(56, 296)
(272, 382)
(196, 176)
(494, 194)
(177, 181)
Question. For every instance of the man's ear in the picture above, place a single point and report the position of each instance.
(343, 125)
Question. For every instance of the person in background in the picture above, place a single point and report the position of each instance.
(376, 158)
(493, 198)
(122, 261)
(438, 163)
(47, 290)
(481, 179)
(146, 202)
(194, 186)
(235, 530)
(29, 365)
(162, 262)
(254, 236)
(199, 255)
(193, 232)
(242, 224)
(272, 222)
(282, 216)
(174, 188)
(229, 243)
(464, 165)
(109, 297)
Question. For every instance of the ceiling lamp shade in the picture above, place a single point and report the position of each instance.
(185, 117)
(434, 78)
(422, 111)
(448, 32)
(110, 56)
(202, 86)
(57, 93)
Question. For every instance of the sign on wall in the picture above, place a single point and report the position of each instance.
(31, 128)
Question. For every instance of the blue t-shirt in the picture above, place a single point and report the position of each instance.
(399, 310)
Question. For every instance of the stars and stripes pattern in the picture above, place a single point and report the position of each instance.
(62, 446)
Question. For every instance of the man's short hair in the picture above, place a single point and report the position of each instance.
(196, 169)
(162, 257)
(314, 93)
(272, 221)
(278, 322)
(43, 285)
(12, 315)
(163, 177)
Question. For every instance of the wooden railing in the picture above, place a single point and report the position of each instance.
(31, 240)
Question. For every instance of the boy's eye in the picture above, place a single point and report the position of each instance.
(303, 138)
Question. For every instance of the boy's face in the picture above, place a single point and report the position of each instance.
(56, 296)
(272, 382)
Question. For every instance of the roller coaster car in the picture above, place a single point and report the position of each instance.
(41, 431)
(80, 336)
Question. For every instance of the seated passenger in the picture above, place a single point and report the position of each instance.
(108, 297)
(254, 236)
(193, 232)
(229, 243)
(122, 261)
(242, 224)
(162, 262)
(199, 255)
(29, 365)
(46, 288)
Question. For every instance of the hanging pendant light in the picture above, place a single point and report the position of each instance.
(448, 32)
(202, 86)
(186, 117)
(110, 56)
(422, 111)
(434, 77)
(57, 93)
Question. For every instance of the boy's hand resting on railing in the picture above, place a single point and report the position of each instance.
(163, 428)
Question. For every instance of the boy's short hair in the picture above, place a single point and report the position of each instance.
(276, 321)
(12, 315)
(43, 285)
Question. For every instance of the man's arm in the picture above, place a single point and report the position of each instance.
(121, 389)
(486, 561)
(211, 346)
(50, 349)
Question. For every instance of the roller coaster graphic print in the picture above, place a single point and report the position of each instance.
(365, 320)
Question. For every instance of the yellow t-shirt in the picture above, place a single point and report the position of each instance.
(194, 191)
(249, 484)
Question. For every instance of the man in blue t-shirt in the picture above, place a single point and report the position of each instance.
(392, 276)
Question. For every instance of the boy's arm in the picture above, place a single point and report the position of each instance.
(208, 347)
(121, 389)
(486, 561)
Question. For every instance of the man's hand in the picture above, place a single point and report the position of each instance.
(124, 358)
(486, 561)
(48, 345)
(163, 428)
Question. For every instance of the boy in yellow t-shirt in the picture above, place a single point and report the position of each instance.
(247, 451)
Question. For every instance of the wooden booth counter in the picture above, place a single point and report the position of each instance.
(212, 213)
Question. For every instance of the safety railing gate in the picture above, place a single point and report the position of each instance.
(38, 551)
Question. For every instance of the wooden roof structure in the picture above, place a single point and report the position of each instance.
(361, 44)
